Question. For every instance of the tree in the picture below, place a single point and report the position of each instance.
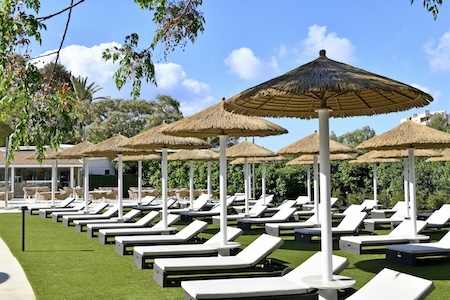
(166, 109)
(440, 122)
(355, 137)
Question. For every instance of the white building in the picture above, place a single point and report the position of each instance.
(426, 117)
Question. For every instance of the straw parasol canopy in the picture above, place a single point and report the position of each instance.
(308, 159)
(404, 153)
(111, 147)
(193, 154)
(140, 157)
(258, 160)
(248, 149)
(75, 151)
(215, 121)
(324, 88)
(311, 145)
(370, 158)
(445, 156)
(408, 135)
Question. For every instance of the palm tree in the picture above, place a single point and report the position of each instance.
(83, 95)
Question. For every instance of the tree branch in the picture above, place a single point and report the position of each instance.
(59, 12)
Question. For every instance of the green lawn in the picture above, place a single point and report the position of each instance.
(62, 263)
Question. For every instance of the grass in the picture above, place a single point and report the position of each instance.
(62, 263)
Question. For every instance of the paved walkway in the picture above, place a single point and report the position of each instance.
(14, 284)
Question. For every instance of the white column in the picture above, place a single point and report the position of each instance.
(139, 182)
(191, 185)
(120, 185)
(246, 184)
(54, 178)
(406, 185)
(263, 181)
(86, 183)
(13, 181)
(375, 183)
(308, 182)
(325, 193)
(164, 186)
(253, 182)
(412, 191)
(72, 177)
(223, 187)
(209, 180)
(316, 190)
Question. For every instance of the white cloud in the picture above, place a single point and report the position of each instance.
(169, 75)
(439, 55)
(195, 86)
(246, 65)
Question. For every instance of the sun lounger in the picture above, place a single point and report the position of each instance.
(197, 205)
(128, 217)
(254, 212)
(261, 201)
(246, 260)
(63, 204)
(280, 216)
(170, 203)
(285, 204)
(393, 285)
(400, 235)
(310, 206)
(394, 220)
(187, 234)
(439, 218)
(302, 200)
(91, 228)
(349, 225)
(211, 247)
(57, 215)
(352, 208)
(275, 228)
(105, 233)
(384, 213)
(409, 253)
(45, 212)
(109, 213)
(215, 211)
(288, 286)
(369, 204)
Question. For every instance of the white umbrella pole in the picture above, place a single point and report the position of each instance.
(209, 180)
(253, 182)
(412, 191)
(140, 182)
(325, 191)
(375, 183)
(316, 189)
(223, 187)
(246, 184)
(263, 181)
(54, 177)
(120, 185)
(164, 186)
(191, 184)
(86, 183)
(406, 185)
(308, 182)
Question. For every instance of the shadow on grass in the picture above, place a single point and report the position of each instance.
(62, 250)
(3, 277)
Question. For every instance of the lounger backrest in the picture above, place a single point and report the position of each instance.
(312, 266)
(400, 205)
(404, 228)
(191, 230)
(147, 218)
(264, 201)
(147, 200)
(353, 208)
(203, 196)
(66, 202)
(369, 204)
(131, 214)
(99, 207)
(399, 214)
(287, 204)
(171, 219)
(232, 234)
(257, 210)
(352, 221)
(333, 201)
(260, 248)
(445, 240)
(79, 206)
(200, 202)
(390, 284)
(171, 202)
(230, 200)
(284, 214)
(111, 211)
(302, 200)
(440, 216)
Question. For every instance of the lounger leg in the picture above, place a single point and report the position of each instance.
(400, 257)
(244, 226)
(102, 238)
(120, 248)
(90, 232)
(79, 227)
(159, 276)
(273, 231)
(369, 226)
(303, 238)
(66, 222)
(43, 214)
(350, 247)
(55, 218)
(139, 260)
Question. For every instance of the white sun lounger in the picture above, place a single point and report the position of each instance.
(254, 212)
(187, 234)
(91, 228)
(105, 233)
(109, 213)
(395, 219)
(288, 286)
(439, 218)
(275, 228)
(400, 235)
(246, 260)
(261, 201)
(280, 216)
(45, 212)
(197, 205)
(208, 248)
(57, 215)
(214, 211)
(349, 225)
(393, 285)
(284, 204)
(384, 213)
(80, 224)
(310, 206)
(352, 208)
(409, 253)
(63, 204)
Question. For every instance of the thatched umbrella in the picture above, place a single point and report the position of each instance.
(191, 156)
(76, 152)
(324, 88)
(111, 148)
(247, 150)
(367, 158)
(311, 145)
(410, 136)
(445, 156)
(215, 121)
(383, 154)
(139, 158)
(154, 139)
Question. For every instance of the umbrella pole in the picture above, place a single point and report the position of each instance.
(406, 185)
(120, 185)
(325, 191)
(316, 189)
(308, 182)
(223, 187)
(263, 181)
(54, 177)
(191, 185)
(375, 184)
(139, 182)
(86, 184)
(412, 190)
(246, 184)
(209, 180)
(164, 186)
(253, 182)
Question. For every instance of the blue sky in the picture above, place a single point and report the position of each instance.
(248, 42)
